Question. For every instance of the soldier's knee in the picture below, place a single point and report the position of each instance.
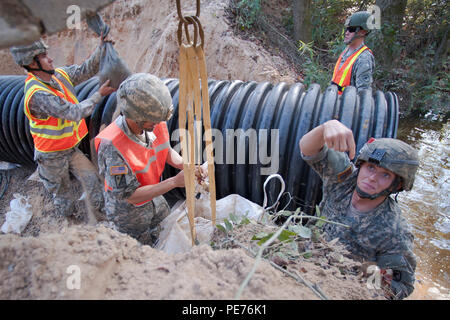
(97, 200)
(162, 209)
(64, 206)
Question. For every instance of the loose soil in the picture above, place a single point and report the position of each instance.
(37, 264)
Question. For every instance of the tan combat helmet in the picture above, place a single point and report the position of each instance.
(394, 155)
(24, 55)
(143, 97)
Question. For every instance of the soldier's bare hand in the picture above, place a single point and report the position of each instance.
(201, 172)
(105, 89)
(338, 137)
(179, 180)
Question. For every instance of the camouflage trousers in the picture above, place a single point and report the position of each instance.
(142, 223)
(54, 169)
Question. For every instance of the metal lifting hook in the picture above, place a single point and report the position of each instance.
(180, 15)
(188, 20)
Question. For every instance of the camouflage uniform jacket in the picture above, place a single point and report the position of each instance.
(141, 222)
(381, 235)
(363, 68)
(44, 104)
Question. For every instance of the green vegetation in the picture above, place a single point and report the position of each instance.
(411, 48)
(247, 12)
(411, 58)
(283, 241)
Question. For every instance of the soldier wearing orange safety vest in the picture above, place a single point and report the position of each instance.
(356, 63)
(57, 124)
(132, 152)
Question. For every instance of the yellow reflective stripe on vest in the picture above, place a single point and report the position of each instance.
(63, 129)
(43, 86)
(336, 66)
(49, 133)
(70, 89)
(349, 66)
(65, 75)
(28, 94)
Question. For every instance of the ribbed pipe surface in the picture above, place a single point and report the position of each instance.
(281, 113)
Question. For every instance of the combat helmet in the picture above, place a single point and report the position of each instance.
(143, 97)
(393, 155)
(359, 19)
(24, 55)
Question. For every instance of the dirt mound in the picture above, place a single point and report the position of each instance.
(112, 265)
(43, 261)
(39, 263)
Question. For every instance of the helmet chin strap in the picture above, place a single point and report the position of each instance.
(386, 192)
(365, 195)
(51, 72)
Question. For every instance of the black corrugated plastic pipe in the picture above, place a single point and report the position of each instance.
(282, 112)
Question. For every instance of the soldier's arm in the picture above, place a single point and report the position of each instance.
(148, 192)
(44, 104)
(402, 261)
(323, 149)
(364, 67)
(332, 133)
(123, 184)
(118, 175)
(174, 159)
(86, 70)
(144, 193)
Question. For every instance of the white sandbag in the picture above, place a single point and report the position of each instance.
(19, 216)
(175, 236)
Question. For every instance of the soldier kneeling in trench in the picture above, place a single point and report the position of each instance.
(358, 195)
(132, 152)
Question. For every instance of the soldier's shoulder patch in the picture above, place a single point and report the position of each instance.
(118, 170)
(344, 174)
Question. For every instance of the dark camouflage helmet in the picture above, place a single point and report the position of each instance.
(358, 19)
(143, 97)
(24, 55)
(393, 155)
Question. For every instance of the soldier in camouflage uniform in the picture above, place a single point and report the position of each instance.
(356, 57)
(132, 152)
(358, 195)
(57, 123)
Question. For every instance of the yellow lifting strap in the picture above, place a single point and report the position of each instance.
(194, 107)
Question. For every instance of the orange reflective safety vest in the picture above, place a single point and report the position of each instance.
(147, 163)
(342, 76)
(53, 134)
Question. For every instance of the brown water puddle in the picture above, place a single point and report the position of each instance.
(427, 206)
